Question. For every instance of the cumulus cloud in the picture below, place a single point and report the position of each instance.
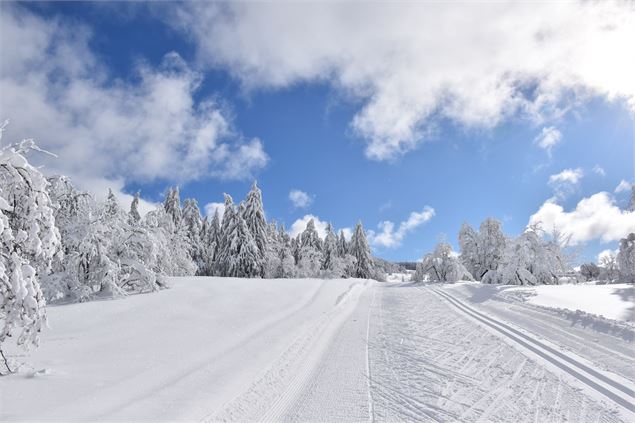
(300, 199)
(105, 131)
(548, 138)
(565, 182)
(410, 65)
(211, 208)
(595, 217)
(388, 237)
(320, 226)
(623, 186)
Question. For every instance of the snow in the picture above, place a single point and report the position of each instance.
(176, 354)
(298, 350)
(615, 301)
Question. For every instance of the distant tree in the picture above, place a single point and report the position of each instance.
(342, 245)
(172, 205)
(193, 225)
(135, 216)
(626, 259)
(254, 216)
(441, 266)
(359, 249)
(309, 251)
(590, 271)
(610, 270)
(469, 245)
(223, 256)
(329, 254)
(491, 245)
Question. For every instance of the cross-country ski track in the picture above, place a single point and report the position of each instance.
(237, 350)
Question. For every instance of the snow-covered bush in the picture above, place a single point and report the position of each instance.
(482, 251)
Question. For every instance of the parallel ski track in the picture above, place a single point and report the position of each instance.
(611, 389)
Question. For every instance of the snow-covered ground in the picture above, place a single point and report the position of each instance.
(219, 349)
(611, 301)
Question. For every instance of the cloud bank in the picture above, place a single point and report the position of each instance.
(409, 65)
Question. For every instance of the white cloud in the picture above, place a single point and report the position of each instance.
(565, 182)
(599, 170)
(547, 138)
(410, 65)
(389, 237)
(570, 176)
(300, 199)
(211, 208)
(595, 217)
(106, 131)
(320, 226)
(623, 186)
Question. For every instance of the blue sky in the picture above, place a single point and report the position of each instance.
(347, 133)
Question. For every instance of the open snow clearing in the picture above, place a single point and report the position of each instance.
(298, 350)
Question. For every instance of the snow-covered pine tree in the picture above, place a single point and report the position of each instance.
(359, 249)
(309, 253)
(342, 245)
(135, 216)
(223, 255)
(329, 252)
(29, 241)
(172, 205)
(254, 216)
(191, 220)
(211, 235)
(240, 259)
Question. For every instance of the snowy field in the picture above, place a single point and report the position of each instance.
(220, 349)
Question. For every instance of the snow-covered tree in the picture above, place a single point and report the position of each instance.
(469, 245)
(590, 271)
(254, 216)
(329, 252)
(29, 241)
(241, 258)
(135, 216)
(342, 245)
(192, 221)
(442, 265)
(172, 205)
(309, 251)
(210, 240)
(491, 245)
(360, 250)
(530, 260)
(626, 259)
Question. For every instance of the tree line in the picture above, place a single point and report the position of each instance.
(532, 258)
(60, 244)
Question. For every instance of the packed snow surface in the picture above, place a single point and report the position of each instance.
(298, 350)
(611, 301)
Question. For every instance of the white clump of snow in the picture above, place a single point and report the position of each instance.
(614, 301)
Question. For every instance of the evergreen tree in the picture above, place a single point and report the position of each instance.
(172, 205)
(191, 220)
(254, 217)
(135, 217)
(329, 253)
(240, 257)
(359, 249)
(227, 226)
(342, 245)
